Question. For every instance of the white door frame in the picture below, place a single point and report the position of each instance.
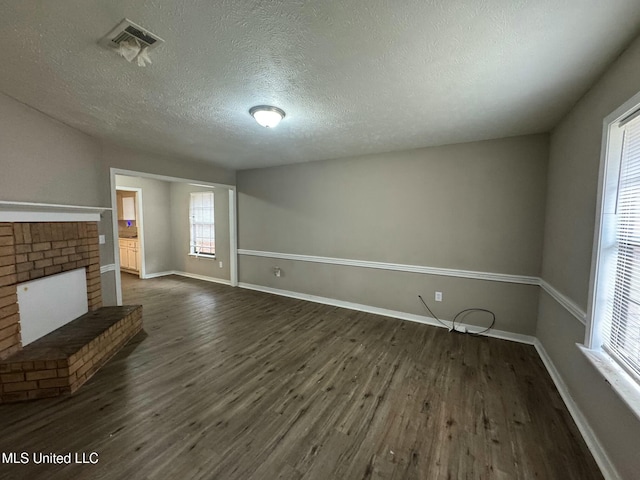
(233, 245)
(233, 239)
(139, 224)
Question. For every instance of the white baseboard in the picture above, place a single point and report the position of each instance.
(515, 337)
(158, 274)
(203, 277)
(188, 275)
(562, 299)
(608, 470)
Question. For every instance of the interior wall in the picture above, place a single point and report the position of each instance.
(156, 206)
(182, 261)
(476, 206)
(570, 219)
(46, 161)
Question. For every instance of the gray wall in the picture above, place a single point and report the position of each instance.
(156, 206)
(571, 204)
(476, 206)
(43, 160)
(182, 262)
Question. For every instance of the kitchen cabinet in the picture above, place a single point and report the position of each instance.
(126, 205)
(129, 255)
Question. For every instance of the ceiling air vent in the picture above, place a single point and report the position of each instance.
(127, 31)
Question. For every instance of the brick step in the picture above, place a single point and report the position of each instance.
(60, 362)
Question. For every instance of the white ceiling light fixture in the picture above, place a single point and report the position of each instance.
(267, 116)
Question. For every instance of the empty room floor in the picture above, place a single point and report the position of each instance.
(234, 384)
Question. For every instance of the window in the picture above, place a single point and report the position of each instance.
(202, 224)
(621, 324)
(613, 335)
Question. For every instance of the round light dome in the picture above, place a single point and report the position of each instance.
(267, 116)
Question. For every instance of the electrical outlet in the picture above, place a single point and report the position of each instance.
(277, 272)
(438, 296)
(102, 239)
(220, 264)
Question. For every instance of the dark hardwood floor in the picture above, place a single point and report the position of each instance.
(233, 384)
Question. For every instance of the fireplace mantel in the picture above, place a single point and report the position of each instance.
(11, 211)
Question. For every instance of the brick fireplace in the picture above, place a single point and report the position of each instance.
(32, 250)
(61, 361)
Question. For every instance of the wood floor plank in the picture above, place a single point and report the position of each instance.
(226, 383)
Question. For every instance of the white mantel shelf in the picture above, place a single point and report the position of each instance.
(48, 212)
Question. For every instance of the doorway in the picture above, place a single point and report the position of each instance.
(130, 238)
(164, 246)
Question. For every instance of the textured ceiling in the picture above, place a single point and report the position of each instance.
(354, 77)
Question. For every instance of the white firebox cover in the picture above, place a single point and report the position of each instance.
(50, 302)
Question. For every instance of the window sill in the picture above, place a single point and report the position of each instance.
(202, 255)
(621, 382)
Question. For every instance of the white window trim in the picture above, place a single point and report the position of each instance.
(619, 379)
(621, 382)
(202, 255)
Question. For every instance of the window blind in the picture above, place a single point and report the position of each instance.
(202, 222)
(622, 323)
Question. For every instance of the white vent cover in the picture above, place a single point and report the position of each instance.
(127, 30)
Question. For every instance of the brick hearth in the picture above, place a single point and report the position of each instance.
(60, 362)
